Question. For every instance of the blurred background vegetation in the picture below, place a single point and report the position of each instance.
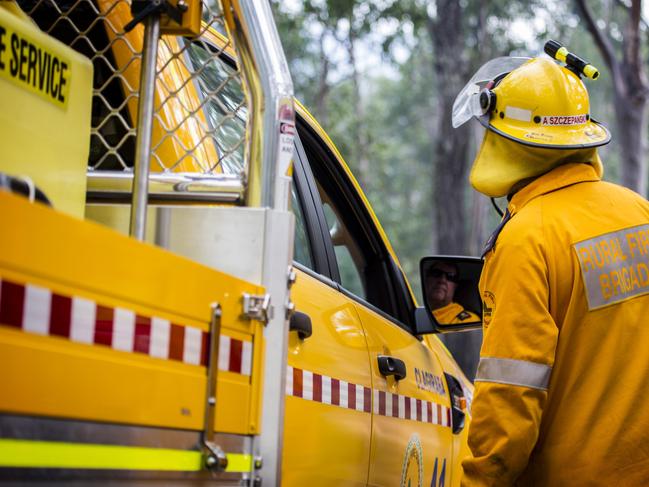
(381, 77)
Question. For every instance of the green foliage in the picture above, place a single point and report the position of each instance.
(399, 100)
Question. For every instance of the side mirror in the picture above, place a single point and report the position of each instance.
(451, 296)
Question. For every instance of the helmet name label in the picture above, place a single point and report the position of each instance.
(565, 120)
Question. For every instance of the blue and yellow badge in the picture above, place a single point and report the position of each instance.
(615, 266)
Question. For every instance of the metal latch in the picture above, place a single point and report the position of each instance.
(215, 458)
(257, 307)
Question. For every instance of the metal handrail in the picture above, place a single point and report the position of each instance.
(271, 90)
(182, 187)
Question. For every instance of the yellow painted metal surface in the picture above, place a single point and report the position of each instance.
(52, 376)
(396, 442)
(119, 218)
(326, 444)
(190, 23)
(57, 377)
(45, 115)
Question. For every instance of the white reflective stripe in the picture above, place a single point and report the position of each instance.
(326, 389)
(516, 113)
(82, 320)
(360, 398)
(513, 372)
(289, 380)
(246, 358)
(36, 315)
(307, 385)
(159, 342)
(123, 329)
(192, 346)
(224, 354)
(343, 394)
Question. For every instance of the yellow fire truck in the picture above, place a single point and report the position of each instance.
(255, 327)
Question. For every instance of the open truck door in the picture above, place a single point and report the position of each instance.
(124, 361)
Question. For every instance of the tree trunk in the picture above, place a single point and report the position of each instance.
(323, 85)
(451, 149)
(631, 119)
(630, 85)
(451, 164)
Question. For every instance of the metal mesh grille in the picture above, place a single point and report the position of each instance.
(200, 109)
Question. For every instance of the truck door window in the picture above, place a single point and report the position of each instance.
(224, 105)
(301, 247)
(348, 255)
(361, 261)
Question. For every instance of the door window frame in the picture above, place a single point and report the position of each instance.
(402, 302)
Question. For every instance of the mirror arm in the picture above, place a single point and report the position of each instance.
(424, 323)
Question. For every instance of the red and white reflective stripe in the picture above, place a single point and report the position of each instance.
(235, 355)
(327, 390)
(404, 407)
(35, 309)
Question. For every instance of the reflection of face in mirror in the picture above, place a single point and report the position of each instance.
(442, 280)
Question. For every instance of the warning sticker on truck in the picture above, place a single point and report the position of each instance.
(33, 66)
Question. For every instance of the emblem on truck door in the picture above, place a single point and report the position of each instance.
(412, 472)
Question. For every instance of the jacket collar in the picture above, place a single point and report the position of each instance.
(559, 177)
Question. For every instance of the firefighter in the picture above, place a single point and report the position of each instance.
(560, 394)
(442, 279)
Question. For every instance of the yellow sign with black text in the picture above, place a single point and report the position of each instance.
(615, 266)
(32, 66)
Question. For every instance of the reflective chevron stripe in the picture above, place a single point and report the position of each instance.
(235, 355)
(337, 392)
(38, 310)
(35, 309)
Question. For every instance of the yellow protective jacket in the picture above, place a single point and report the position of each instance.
(561, 390)
(454, 313)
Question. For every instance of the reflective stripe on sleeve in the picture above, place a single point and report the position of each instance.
(514, 372)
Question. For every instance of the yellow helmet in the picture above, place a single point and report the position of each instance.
(542, 104)
(533, 102)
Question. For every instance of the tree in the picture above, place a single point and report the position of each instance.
(623, 59)
(395, 129)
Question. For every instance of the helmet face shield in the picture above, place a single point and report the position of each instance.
(467, 103)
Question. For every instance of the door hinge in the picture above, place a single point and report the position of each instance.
(256, 307)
